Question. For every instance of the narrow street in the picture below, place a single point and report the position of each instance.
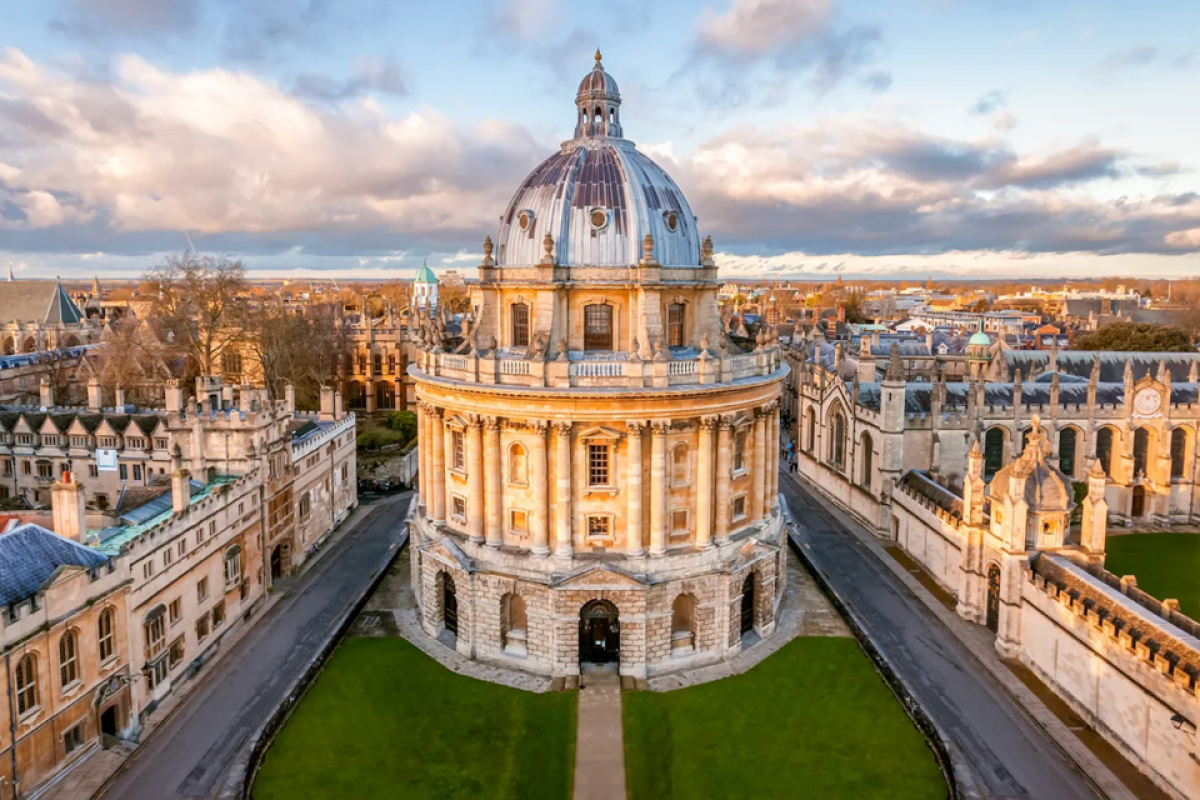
(189, 756)
(1010, 756)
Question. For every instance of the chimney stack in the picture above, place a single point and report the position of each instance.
(174, 399)
(337, 405)
(46, 393)
(289, 398)
(181, 490)
(326, 403)
(120, 401)
(95, 395)
(66, 508)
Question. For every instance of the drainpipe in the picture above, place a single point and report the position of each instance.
(12, 721)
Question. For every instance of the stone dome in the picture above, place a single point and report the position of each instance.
(598, 197)
(1047, 490)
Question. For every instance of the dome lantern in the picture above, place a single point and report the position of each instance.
(598, 104)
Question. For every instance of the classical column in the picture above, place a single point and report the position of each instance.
(723, 477)
(437, 427)
(758, 466)
(772, 458)
(475, 479)
(704, 483)
(541, 500)
(658, 487)
(422, 456)
(633, 490)
(562, 497)
(491, 472)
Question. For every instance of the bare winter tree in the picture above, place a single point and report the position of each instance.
(293, 348)
(200, 306)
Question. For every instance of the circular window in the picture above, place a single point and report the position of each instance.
(599, 218)
(523, 220)
(672, 221)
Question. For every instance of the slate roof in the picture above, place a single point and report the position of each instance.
(38, 301)
(30, 556)
(1112, 364)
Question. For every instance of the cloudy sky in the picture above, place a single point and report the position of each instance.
(1041, 138)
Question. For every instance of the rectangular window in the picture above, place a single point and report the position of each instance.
(93, 471)
(675, 325)
(176, 610)
(459, 454)
(202, 590)
(233, 567)
(168, 557)
(148, 569)
(135, 443)
(160, 443)
(45, 469)
(8, 470)
(137, 472)
(520, 325)
(73, 739)
(679, 521)
(518, 522)
(598, 527)
(598, 465)
(24, 438)
(739, 451)
(78, 441)
(459, 508)
(155, 631)
(156, 673)
(107, 637)
(182, 546)
(598, 327)
(26, 468)
(218, 615)
(124, 473)
(175, 654)
(106, 442)
(202, 628)
(739, 507)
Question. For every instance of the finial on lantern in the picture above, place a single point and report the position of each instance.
(598, 64)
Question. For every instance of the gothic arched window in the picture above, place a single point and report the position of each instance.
(1179, 438)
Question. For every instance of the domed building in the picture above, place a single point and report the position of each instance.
(598, 475)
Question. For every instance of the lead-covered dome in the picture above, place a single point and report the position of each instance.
(598, 197)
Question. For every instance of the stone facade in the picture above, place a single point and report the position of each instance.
(598, 461)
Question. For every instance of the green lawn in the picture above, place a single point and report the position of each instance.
(385, 720)
(812, 721)
(1166, 565)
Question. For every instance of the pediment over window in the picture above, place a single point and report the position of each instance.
(600, 433)
(601, 575)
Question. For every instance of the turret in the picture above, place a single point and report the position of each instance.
(1094, 527)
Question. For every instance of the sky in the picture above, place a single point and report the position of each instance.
(1037, 139)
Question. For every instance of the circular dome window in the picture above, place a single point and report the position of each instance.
(599, 218)
(672, 221)
(525, 219)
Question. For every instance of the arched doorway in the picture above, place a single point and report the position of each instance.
(748, 604)
(599, 633)
(1139, 502)
(276, 563)
(993, 597)
(449, 605)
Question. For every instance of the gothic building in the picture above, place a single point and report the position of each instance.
(598, 459)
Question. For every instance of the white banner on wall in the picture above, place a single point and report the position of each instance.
(106, 460)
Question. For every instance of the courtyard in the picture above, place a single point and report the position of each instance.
(1166, 565)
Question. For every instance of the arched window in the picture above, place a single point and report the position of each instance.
(1104, 449)
(683, 624)
(107, 635)
(1066, 451)
(1141, 450)
(513, 624)
(233, 565)
(679, 464)
(812, 431)
(1179, 439)
(598, 327)
(26, 680)
(837, 439)
(377, 363)
(675, 325)
(865, 448)
(1025, 438)
(993, 451)
(517, 461)
(68, 662)
(520, 325)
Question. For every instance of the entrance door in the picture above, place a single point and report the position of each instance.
(450, 605)
(276, 563)
(748, 604)
(993, 598)
(108, 721)
(599, 633)
(1139, 502)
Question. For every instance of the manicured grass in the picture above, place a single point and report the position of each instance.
(385, 720)
(1166, 565)
(812, 721)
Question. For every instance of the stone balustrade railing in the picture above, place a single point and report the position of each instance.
(625, 373)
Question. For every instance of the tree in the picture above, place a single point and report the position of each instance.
(292, 348)
(1139, 337)
(199, 305)
(853, 303)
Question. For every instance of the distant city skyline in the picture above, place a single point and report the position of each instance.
(813, 137)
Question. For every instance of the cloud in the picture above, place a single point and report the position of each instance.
(94, 18)
(379, 75)
(1136, 56)
(526, 20)
(752, 28)
(877, 81)
(988, 103)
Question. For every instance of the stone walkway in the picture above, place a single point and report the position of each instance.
(599, 743)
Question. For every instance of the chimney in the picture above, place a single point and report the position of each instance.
(120, 400)
(174, 399)
(326, 403)
(46, 394)
(181, 490)
(337, 405)
(289, 398)
(95, 395)
(66, 508)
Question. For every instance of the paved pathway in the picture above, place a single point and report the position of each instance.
(189, 756)
(1009, 755)
(599, 744)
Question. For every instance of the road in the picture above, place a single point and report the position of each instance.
(1010, 756)
(190, 754)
